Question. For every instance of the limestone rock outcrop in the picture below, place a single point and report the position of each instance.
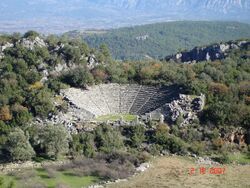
(186, 107)
(212, 52)
(31, 44)
(4, 47)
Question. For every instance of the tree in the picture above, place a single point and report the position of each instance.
(116, 72)
(83, 143)
(18, 146)
(161, 134)
(52, 40)
(108, 139)
(244, 87)
(40, 102)
(54, 140)
(218, 88)
(99, 74)
(104, 50)
(4, 132)
(217, 113)
(79, 77)
(5, 114)
(21, 115)
(72, 53)
(88, 144)
(31, 34)
(137, 135)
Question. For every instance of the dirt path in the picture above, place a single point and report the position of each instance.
(173, 172)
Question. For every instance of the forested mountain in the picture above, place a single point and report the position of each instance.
(161, 39)
(60, 16)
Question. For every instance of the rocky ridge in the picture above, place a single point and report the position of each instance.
(209, 53)
(58, 50)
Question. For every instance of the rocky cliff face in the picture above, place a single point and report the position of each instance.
(213, 52)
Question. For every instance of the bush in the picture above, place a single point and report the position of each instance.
(137, 135)
(108, 139)
(121, 157)
(83, 143)
(54, 140)
(143, 157)
(197, 148)
(115, 169)
(18, 146)
(21, 115)
(190, 135)
(31, 35)
(40, 102)
(169, 142)
(23, 175)
(218, 143)
(155, 149)
(5, 114)
(223, 158)
(79, 77)
(175, 145)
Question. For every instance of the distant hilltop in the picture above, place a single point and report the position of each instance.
(54, 16)
(161, 39)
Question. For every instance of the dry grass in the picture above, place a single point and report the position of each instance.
(173, 172)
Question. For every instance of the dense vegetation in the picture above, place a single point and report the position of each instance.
(24, 97)
(161, 39)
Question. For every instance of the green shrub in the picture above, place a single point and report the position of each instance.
(52, 140)
(223, 158)
(18, 146)
(31, 34)
(108, 139)
(155, 149)
(79, 77)
(137, 135)
(175, 145)
(197, 147)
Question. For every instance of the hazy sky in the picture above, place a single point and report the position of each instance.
(61, 15)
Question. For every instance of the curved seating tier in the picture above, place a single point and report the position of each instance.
(107, 99)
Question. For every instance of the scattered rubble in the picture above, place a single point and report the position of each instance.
(186, 107)
(206, 161)
(143, 167)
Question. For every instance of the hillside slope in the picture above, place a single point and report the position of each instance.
(161, 39)
(174, 172)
